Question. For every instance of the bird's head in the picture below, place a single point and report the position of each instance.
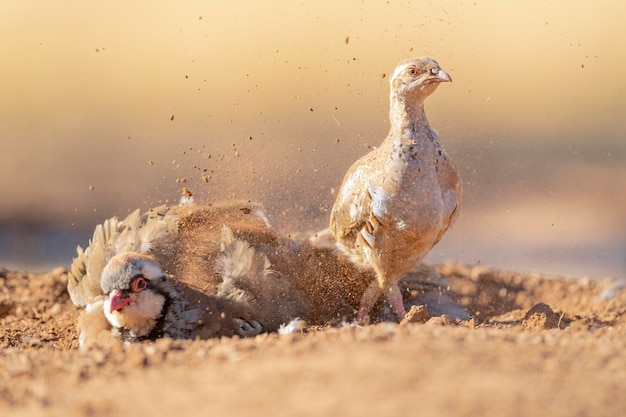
(134, 301)
(417, 76)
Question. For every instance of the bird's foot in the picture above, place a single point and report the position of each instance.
(369, 298)
(394, 297)
(248, 328)
(362, 316)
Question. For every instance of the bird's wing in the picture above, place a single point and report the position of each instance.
(136, 233)
(238, 264)
(352, 208)
(452, 191)
(248, 278)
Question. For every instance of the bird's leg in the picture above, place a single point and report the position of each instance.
(394, 296)
(248, 328)
(369, 298)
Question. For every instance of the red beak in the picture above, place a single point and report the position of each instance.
(118, 301)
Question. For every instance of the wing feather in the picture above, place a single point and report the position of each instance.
(353, 206)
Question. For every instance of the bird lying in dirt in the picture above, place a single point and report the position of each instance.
(164, 273)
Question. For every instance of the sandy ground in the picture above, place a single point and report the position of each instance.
(565, 357)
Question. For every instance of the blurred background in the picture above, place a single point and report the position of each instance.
(111, 106)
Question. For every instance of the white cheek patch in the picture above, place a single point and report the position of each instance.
(139, 316)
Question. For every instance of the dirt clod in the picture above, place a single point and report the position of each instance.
(417, 314)
(540, 317)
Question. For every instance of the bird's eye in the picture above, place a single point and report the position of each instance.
(138, 284)
(434, 71)
(412, 70)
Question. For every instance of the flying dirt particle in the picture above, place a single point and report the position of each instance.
(151, 162)
(347, 40)
(383, 75)
(172, 117)
(298, 170)
(582, 65)
(311, 109)
(91, 188)
(185, 192)
(250, 138)
(186, 76)
(205, 178)
(337, 140)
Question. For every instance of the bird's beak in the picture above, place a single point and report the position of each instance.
(117, 300)
(443, 76)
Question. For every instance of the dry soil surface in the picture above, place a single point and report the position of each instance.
(536, 345)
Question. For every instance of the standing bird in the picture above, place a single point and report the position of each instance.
(396, 202)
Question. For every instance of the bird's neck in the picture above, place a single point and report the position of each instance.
(407, 116)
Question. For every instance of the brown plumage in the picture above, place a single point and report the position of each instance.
(396, 202)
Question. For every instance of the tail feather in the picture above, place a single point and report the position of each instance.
(136, 233)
